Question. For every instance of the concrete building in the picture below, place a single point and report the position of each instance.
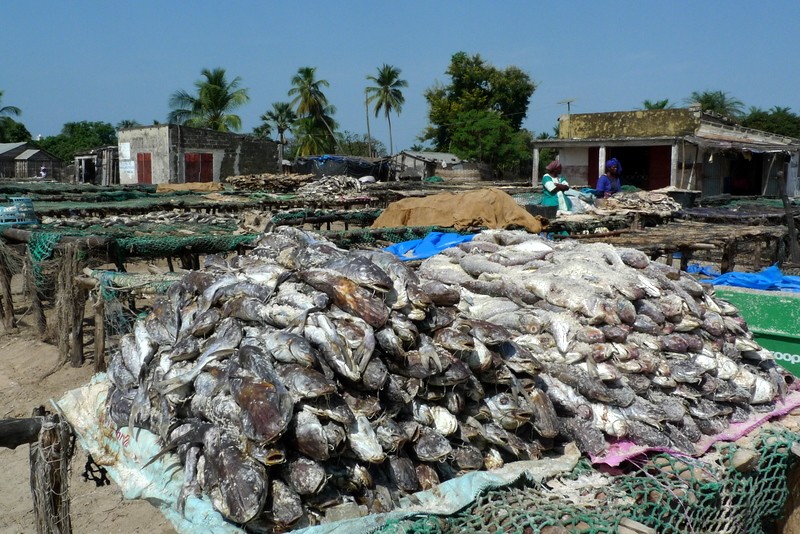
(171, 153)
(684, 148)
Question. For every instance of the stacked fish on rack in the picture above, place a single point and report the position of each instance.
(277, 183)
(648, 201)
(331, 186)
(170, 217)
(302, 376)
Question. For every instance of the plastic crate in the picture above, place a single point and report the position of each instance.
(19, 212)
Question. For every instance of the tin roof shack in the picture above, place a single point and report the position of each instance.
(685, 148)
(99, 166)
(172, 153)
(23, 160)
(410, 164)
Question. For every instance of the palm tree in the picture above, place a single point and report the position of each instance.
(212, 106)
(657, 104)
(282, 117)
(718, 102)
(9, 110)
(386, 94)
(312, 103)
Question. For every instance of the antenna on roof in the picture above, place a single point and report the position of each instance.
(568, 101)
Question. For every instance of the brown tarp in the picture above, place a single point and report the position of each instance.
(492, 208)
(192, 186)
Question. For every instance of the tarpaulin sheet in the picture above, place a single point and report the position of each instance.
(623, 450)
(490, 208)
(430, 245)
(124, 452)
(770, 279)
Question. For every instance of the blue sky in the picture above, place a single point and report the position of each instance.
(111, 60)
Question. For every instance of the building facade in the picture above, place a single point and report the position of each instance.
(683, 148)
(172, 153)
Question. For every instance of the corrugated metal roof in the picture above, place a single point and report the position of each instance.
(6, 147)
(28, 154)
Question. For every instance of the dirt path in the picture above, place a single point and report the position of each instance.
(23, 361)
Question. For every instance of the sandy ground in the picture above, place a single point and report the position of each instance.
(24, 359)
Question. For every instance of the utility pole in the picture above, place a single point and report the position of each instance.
(568, 102)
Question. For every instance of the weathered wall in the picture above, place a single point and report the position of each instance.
(152, 139)
(233, 154)
(620, 124)
(575, 165)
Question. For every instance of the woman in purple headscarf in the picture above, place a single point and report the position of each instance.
(610, 183)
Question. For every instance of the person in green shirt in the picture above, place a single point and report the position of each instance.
(553, 187)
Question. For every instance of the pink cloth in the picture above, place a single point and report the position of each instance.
(623, 450)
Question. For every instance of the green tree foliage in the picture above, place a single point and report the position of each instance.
(657, 104)
(7, 111)
(213, 104)
(78, 137)
(315, 126)
(12, 131)
(485, 136)
(282, 117)
(263, 131)
(127, 123)
(479, 98)
(386, 95)
(778, 120)
(354, 144)
(718, 102)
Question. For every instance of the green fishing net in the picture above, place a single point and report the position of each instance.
(671, 494)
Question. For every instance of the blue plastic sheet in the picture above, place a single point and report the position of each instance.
(430, 245)
(696, 268)
(770, 279)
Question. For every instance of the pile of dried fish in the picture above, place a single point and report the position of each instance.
(172, 217)
(331, 186)
(302, 376)
(278, 183)
(649, 201)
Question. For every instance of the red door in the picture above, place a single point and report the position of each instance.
(199, 167)
(144, 171)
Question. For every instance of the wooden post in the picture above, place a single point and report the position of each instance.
(758, 250)
(50, 457)
(7, 303)
(76, 336)
(32, 292)
(99, 334)
(794, 251)
(728, 257)
(16, 432)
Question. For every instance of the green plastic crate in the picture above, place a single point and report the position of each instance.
(774, 319)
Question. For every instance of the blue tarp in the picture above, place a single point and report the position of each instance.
(696, 268)
(430, 245)
(770, 279)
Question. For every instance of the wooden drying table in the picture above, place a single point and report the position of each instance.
(688, 237)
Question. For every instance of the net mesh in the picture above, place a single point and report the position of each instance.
(670, 494)
(50, 468)
(41, 246)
